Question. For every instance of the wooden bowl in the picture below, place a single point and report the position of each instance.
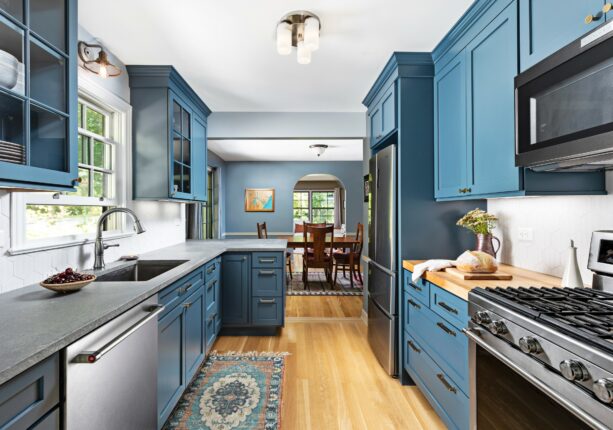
(69, 287)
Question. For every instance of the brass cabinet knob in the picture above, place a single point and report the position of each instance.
(607, 7)
(591, 18)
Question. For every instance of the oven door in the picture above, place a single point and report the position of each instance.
(563, 107)
(511, 391)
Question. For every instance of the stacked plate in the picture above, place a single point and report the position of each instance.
(12, 152)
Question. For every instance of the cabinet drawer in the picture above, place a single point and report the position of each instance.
(442, 340)
(211, 331)
(29, 396)
(173, 295)
(267, 311)
(268, 260)
(50, 422)
(419, 289)
(445, 396)
(211, 292)
(449, 306)
(211, 270)
(266, 282)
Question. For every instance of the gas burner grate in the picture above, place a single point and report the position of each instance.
(582, 313)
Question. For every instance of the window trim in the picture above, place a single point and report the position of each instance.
(91, 91)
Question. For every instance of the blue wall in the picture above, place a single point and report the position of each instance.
(282, 176)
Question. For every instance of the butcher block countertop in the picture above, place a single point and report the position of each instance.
(521, 278)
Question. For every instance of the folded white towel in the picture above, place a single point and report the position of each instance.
(431, 265)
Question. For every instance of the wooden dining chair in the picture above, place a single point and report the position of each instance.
(351, 259)
(320, 255)
(263, 234)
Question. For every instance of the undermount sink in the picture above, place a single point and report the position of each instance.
(142, 270)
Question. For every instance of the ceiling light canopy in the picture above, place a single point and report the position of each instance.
(298, 29)
(319, 149)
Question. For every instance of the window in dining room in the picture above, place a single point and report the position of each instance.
(314, 206)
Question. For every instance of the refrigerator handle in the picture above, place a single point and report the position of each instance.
(377, 178)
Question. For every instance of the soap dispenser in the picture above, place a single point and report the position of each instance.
(572, 274)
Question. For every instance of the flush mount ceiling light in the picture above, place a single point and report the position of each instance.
(319, 149)
(100, 65)
(299, 29)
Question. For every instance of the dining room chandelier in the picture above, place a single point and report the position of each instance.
(298, 29)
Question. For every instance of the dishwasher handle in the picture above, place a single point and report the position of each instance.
(92, 357)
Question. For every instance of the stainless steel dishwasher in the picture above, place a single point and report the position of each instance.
(111, 373)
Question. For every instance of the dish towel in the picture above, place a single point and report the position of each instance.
(431, 265)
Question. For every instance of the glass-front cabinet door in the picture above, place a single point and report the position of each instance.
(38, 93)
(181, 151)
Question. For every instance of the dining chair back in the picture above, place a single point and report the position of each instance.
(359, 237)
(262, 230)
(320, 255)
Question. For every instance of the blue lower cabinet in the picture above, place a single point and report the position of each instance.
(171, 353)
(195, 335)
(419, 289)
(30, 396)
(236, 291)
(51, 421)
(267, 311)
(267, 282)
(267, 260)
(211, 291)
(211, 331)
(449, 306)
(451, 404)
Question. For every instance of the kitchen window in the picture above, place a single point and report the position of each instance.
(314, 206)
(42, 220)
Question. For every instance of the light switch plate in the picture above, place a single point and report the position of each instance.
(525, 234)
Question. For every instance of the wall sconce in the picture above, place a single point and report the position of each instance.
(101, 66)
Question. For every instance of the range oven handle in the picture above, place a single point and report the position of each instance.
(475, 336)
(92, 357)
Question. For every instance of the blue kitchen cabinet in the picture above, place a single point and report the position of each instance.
(38, 102)
(434, 351)
(474, 106)
(382, 116)
(450, 121)
(169, 136)
(548, 25)
(253, 292)
(195, 335)
(236, 291)
(30, 400)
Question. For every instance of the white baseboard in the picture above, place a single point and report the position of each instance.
(364, 317)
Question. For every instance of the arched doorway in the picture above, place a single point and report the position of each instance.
(318, 198)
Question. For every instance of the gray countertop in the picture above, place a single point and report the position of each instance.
(35, 323)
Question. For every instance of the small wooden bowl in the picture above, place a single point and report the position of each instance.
(70, 287)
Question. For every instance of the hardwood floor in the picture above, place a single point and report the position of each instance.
(323, 307)
(333, 380)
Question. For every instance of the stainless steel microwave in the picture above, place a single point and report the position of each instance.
(564, 107)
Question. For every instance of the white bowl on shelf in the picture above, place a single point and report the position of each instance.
(9, 70)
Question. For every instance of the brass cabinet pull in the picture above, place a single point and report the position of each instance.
(414, 304)
(211, 284)
(415, 287)
(447, 385)
(448, 308)
(267, 260)
(185, 289)
(267, 272)
(188, 305)
(413, 347)
(210, 270)
(446, 329)
(591, 18)
(607, 7)
(267, 301)
(465, 190)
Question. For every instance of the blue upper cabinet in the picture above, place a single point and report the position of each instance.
(450, 129)
(169, 135)
(38, 94)
(382, 116)
(548, 25)
(474, 106)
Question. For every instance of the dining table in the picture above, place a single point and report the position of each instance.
(298, 241)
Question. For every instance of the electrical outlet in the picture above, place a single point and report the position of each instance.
(525, 234)
(1, 239)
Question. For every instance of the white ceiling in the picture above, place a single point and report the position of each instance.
(286, 150)
(226, 49)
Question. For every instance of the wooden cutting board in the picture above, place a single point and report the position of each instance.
(496, 276)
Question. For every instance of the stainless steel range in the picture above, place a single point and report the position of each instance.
(541, 358)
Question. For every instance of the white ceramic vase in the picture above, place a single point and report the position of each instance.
(9, 70)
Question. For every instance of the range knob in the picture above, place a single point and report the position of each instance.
(482, 317)
(574, 370)
(530, 345)
(497, 327)
(603, 388)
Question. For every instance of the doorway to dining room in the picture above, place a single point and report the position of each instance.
(333, 267)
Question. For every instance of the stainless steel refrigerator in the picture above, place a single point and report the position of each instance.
(382, 258)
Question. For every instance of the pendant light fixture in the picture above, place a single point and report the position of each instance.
(298, 29)
(101, 66)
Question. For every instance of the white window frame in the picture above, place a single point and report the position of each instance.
(310, 209)
(90, 92)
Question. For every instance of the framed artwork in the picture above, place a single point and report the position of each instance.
(259, 200)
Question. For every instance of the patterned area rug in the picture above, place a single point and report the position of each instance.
(318, 286)
(233, 391)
